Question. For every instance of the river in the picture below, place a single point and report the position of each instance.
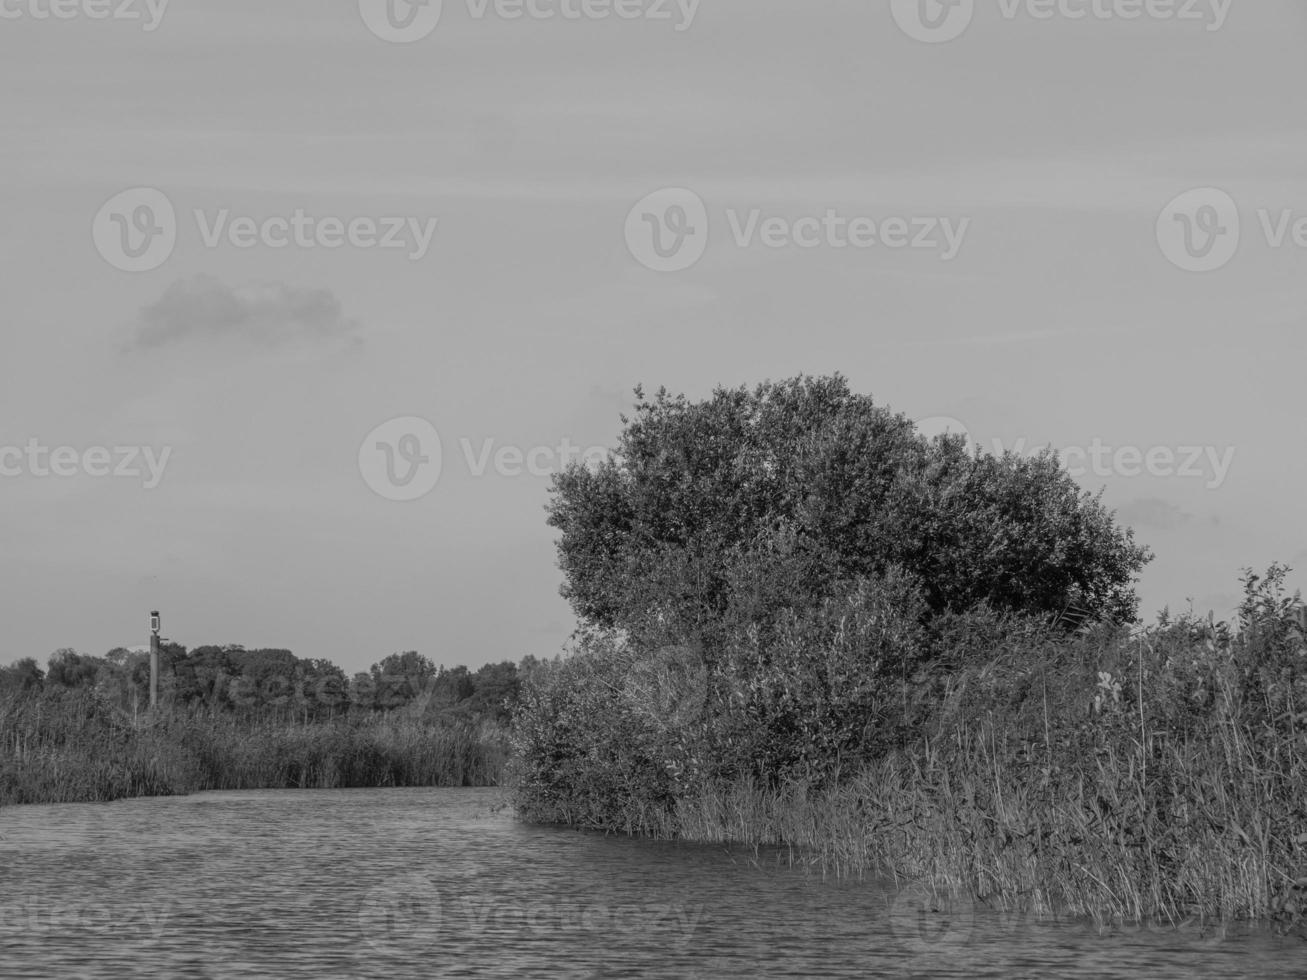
(445, 883)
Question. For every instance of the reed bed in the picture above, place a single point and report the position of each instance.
(384, 752)
(1176, 795)
(72, 750)
(1152, 775)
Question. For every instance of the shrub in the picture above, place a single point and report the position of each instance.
(840, 489)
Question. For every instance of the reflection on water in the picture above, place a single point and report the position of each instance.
(400, 883)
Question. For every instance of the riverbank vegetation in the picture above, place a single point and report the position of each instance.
(805, 625)
(231, 718)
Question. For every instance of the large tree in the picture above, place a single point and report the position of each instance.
(784, 494)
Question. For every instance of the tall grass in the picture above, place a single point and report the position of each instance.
(71, 749)
(1149, 779)
(1154, 775)
(383, 751)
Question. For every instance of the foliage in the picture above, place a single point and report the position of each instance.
(817, 691)
(22, 675)
(588, 752)
(775, 587)
(1158, 774)
(255, 682)
(236, 718)
(839, 489)
(1153, 773)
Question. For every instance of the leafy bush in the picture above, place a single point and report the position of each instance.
(657, 534)
(826, 566)
(592, 747)
(614, 735)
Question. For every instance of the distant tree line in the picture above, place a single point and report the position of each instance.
(233, 679)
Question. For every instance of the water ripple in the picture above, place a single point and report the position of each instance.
(443, 883)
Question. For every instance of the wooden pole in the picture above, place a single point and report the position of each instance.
(154, 660)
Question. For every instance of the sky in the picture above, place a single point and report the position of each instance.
(303, 301)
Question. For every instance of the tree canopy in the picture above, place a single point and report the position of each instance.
(783, 495)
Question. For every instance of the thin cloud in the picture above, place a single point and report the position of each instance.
(1020, 337)
(1153, 512)
(268, 314)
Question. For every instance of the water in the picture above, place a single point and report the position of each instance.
(431, 883)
